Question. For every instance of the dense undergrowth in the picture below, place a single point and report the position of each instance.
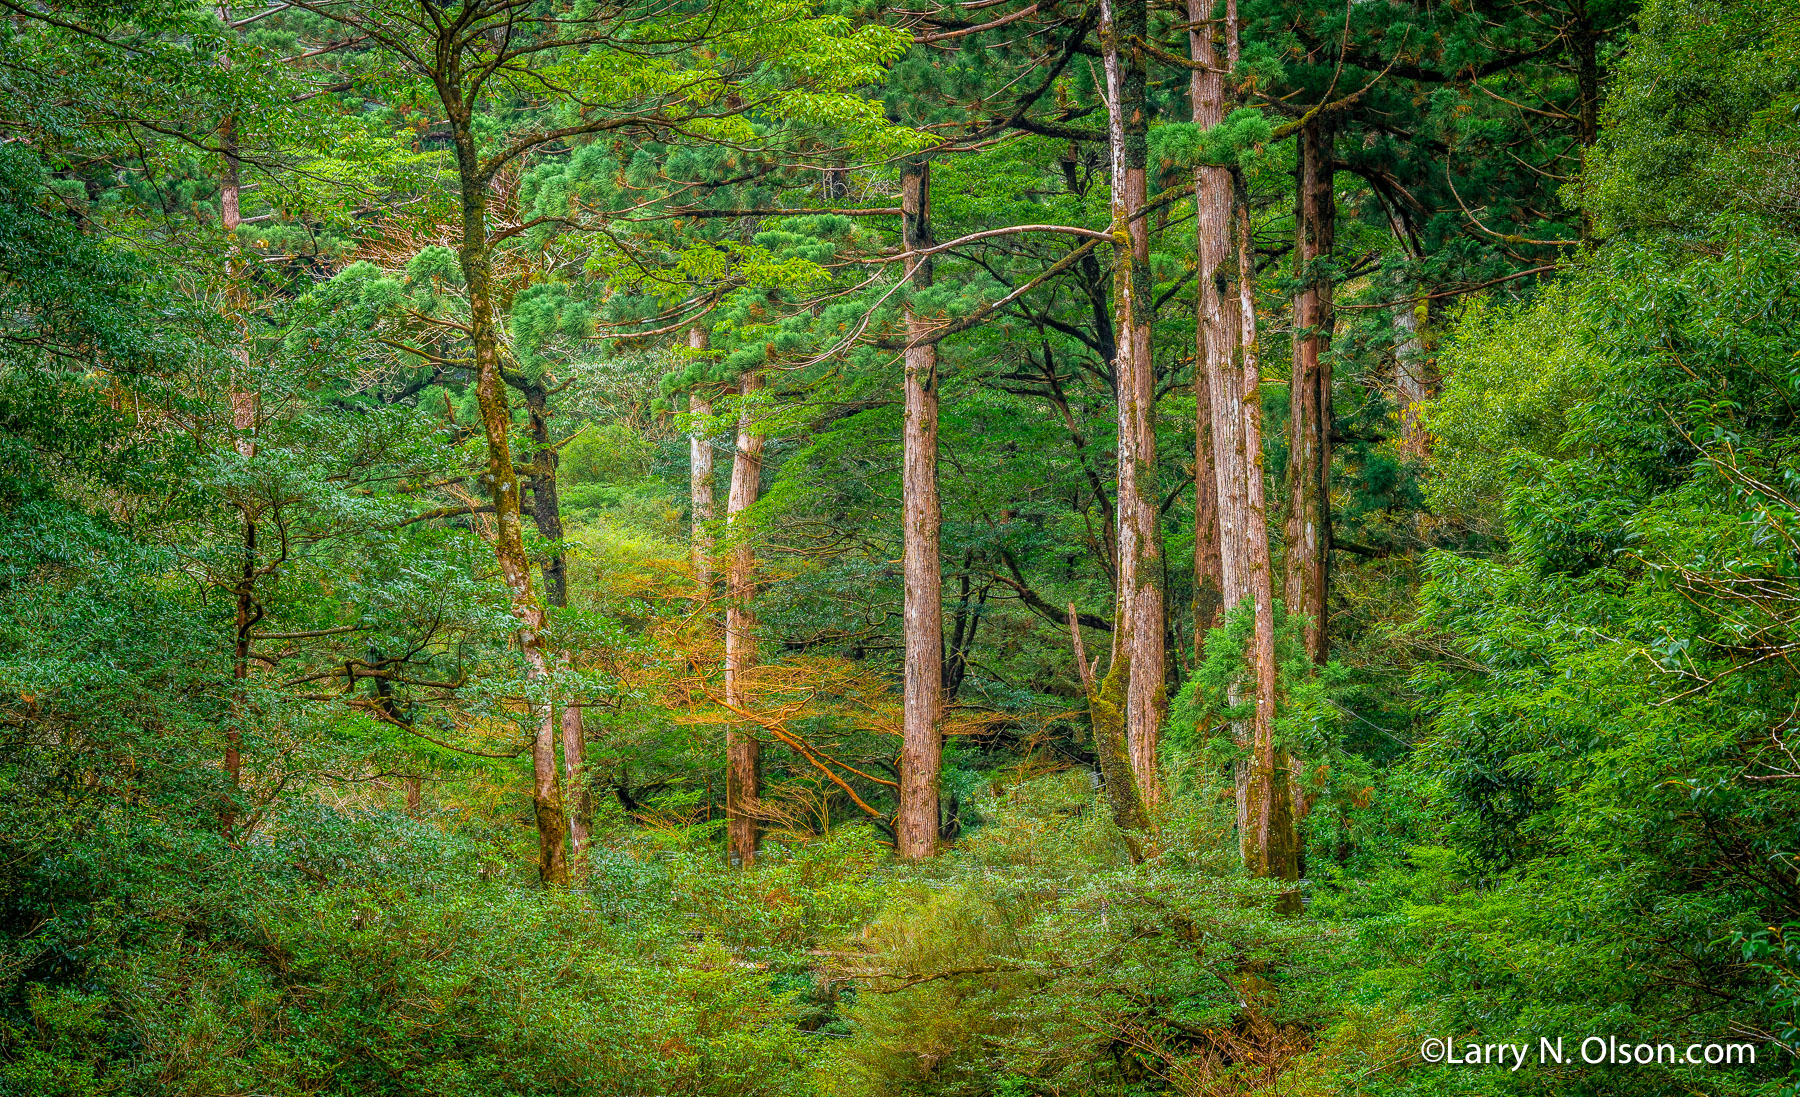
(1550, 778)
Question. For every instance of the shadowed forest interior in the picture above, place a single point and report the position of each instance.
(820, 548)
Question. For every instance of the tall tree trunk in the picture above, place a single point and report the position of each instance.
(237, 298)
(921, 751)
(1141, 627)
(743, 750)
(700, 475)
(1229, 358)
(580, 797)
(244, 619)
(1227, 276)
(1270, 849)
(546, 503)
(1411, 387)
(476, 261)
(546, 515)
(1209, 565)
(1215, 437)
(1306, 586)
(1584, 44)
(243, 430)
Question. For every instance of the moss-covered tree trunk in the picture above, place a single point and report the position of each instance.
(1265, 805)
(546, 515)
(1123, 25)
(1217, 508)
(502, 481)
(1106, 716)
(1307, 563)
(541, 478)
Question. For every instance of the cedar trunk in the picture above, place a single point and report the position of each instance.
(1228, 354)
(574, 751)
(1214, 338)
(1270, 849)
(1139, 616)
(700, 475)
(546, 504)
(475, 258)
(921, 751)
(743, 751)
(243, 431)
(1306, 585)
(1411, 386)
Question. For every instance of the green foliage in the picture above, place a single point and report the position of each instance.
(1772, 952)
(1031, 966)
(1176, 145)
(1221, 691)
(1701, 120)
(1550, 770)
(60, 288)
(1611, 703)
(1512, 373)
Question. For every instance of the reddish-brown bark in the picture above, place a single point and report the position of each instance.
(574, 752)
(1307, 564)
(1138, 622)
(743, 750)
(243, 436)
(1214, 338)
(1230, 381)
(1270, 848)
(921, 750)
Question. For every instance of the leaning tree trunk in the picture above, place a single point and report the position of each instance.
(1217, 441)
(743, 750)
(921, 750)
(1106, 715)
(475, 258)
(1140, 595)
(700, 474)
(1307, 570)
(1270, 849)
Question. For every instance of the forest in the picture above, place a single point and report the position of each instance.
(829, 548)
